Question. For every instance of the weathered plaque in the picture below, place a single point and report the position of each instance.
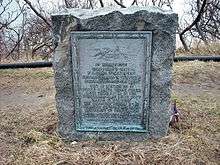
(111, 72)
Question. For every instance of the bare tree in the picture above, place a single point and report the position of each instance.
(37, 13)
(197, 19)
(11, 32)
(205, 26)
(207, 29)
(37, 38)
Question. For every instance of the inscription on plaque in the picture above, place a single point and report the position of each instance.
(111, 80)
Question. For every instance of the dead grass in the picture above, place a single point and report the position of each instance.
(27, 73)
(28, 131)
(213, 49)
(196, 72)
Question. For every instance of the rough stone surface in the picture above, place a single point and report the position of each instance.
(163, 26)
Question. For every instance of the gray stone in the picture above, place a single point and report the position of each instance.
(85, 64)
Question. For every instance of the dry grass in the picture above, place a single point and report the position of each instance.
(28, 134)
(196, 72)
(213, 49)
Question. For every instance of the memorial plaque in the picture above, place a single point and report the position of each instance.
(111, 72)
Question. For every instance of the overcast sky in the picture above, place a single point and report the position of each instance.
(180, 6)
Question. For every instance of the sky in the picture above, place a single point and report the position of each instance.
(179, 6)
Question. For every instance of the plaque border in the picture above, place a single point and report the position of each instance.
(74, 52)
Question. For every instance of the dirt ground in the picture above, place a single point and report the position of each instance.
(28, 120)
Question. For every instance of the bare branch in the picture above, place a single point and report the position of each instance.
(14, 19)
(134, 2)
(4, 8)
(37, 13)
(101, 3)
(196, 20)
(67, 4)
(17, 43)
(120, 4)
(90, 3)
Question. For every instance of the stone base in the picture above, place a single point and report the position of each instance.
(163, 27)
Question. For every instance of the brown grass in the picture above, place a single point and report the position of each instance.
(213, 49)
(28, 128)
(196, 72)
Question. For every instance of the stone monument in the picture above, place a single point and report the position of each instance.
(113, 72)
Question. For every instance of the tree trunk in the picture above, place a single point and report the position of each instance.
(182, 39)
